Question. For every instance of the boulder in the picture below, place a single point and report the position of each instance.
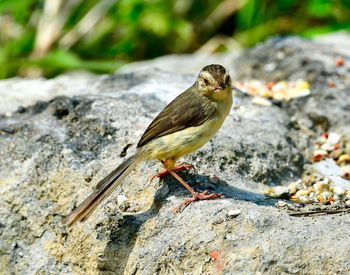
(57, 143)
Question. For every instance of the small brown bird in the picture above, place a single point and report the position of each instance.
(185, 125)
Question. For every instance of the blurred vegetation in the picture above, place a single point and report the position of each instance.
(48, 37)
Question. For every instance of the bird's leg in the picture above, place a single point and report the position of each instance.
(178, 167)
(195, 195)
(185, 184)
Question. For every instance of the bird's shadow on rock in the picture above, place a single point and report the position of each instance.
(122, 238)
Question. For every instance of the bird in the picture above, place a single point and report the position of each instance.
(183, 126)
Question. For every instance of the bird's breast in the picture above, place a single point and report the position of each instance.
(185, 141)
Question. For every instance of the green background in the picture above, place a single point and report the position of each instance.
(46, 38)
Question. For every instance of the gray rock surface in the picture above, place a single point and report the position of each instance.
(54, 152)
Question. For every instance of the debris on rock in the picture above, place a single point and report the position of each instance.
(277, 191)
(280, 91)
(214, 255)
(339, 61)
(327, 181)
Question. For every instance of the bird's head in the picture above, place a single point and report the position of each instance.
(214, 82)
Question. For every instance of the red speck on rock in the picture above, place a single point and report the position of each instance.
(214, 255)
(339, 61)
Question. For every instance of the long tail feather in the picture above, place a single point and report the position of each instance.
(103, 189)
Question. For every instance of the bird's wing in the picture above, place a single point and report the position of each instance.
(187, 110)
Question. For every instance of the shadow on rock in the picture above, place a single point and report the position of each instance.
(201, 183)
(120, 244)
(122, 238)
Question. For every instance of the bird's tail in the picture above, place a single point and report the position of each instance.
(103, 189)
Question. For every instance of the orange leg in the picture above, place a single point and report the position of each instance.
(177, 167)
(195, 195)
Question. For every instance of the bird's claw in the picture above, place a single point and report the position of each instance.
(197, 197)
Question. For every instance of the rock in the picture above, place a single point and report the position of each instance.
(54, 151)
(18, 92)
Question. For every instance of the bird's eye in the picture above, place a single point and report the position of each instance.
(206, 81)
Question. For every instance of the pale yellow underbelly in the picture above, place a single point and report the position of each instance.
(183, 142)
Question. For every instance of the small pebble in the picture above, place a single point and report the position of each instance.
(257, 100)
(333, 138)
(304, 199)
(234, 213)
(280, 204)
(292, 188)
(270, 67)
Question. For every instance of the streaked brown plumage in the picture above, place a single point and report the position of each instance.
(186, 124)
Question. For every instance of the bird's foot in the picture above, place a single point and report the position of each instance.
(178, 167)
(197, 197)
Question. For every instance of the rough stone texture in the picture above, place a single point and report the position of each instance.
(55, 151)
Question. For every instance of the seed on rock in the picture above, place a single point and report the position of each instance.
(294, 198)
(346, 172)
(257, 100)
(266, 93)
(302, 193)
(319, 155)
(320, 198)
(343, 158)
(292, 188)
(320, 187)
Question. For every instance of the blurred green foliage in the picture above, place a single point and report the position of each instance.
(48, 37)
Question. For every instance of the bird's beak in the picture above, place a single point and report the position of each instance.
(221, 86)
